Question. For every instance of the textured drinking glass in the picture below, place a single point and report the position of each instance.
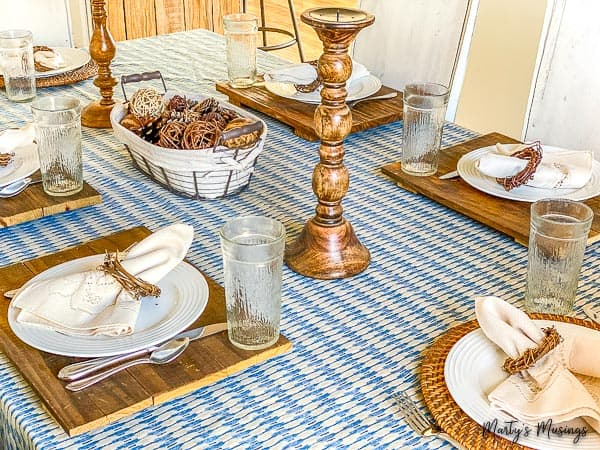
(252, 260)
(557, 239)
(58, 135)
(240, 36)
(16, 64)
(424, 112)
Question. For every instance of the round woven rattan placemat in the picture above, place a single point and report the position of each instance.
(83, 73)
(442, 406)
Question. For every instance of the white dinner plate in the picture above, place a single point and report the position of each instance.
(74, 59)
(468, 171)
(184, 295)
(360, 88)
(23, 164)
(473, 370)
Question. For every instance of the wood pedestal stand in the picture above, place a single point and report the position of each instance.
(102, 50)
(327, 248)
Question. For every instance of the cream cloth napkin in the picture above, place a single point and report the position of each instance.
(565, 169)
(49, 59)
(284, 78)
(561, 386)
(92, 302)
(12, 138)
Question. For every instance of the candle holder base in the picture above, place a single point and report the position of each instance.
(97, 115)
(326, 252)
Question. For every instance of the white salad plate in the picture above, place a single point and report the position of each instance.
(184, 295)
(468, 171)
(359, 88)
(74, 58)
(473, 369)
(23, 164)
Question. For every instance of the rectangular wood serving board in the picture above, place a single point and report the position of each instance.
(508, 216)
(204, 362)
(300, 116)
(34, 203)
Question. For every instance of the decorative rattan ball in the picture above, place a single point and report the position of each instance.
(245, 140)
(170, 134)
(199, 135)
(147, 102)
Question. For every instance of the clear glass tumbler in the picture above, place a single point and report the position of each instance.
(424, 112)
(252, 262)
(557, 240)
(58, 134)
(16, 64)
(240, 37)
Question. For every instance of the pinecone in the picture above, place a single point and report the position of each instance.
(185, 116)
(207, 105)
(150, 128)
(228, 114)
(177, 103)
(217, 118)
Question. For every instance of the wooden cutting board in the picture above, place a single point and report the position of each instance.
(34, 203)
(300, 116)
(204, 362)
(508, 216)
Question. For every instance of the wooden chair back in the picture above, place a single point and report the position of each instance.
(417, 40)
(564, 108)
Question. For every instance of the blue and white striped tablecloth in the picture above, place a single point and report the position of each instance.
(357, 341)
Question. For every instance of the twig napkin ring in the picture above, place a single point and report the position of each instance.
(532, 355)
(533, 155)
(137, 287)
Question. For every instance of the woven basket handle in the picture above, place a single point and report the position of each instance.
(237, 132)
(144, 76)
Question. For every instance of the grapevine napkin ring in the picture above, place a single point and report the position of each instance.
(135, 286)
(532, 355)
(533, 154)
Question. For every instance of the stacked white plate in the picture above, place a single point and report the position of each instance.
(25, 160)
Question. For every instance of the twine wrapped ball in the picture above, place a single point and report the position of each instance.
(199, 135)
(147, 102)
(215, 116)
(171, 134)
(245, 140)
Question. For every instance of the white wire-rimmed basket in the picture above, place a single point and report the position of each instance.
(198, 174)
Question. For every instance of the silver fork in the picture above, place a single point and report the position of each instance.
(421, 424)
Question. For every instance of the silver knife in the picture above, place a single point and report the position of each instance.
(449, 175)
(81, 369)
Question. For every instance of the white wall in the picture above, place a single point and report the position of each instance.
(55, 23)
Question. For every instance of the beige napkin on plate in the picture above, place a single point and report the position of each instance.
(92, 302)
(12, 138)
(284, 78)
(563, 169)
(561, 386)
(49, 58)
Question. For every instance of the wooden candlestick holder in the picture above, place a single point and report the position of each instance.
(327, 247)
(102, 50)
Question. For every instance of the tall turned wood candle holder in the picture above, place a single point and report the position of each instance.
(327, 247)
(102, 50)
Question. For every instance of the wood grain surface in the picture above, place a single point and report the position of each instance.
(204, 361)
(508, 216)
(131, 19)
(34, 203)
(300, 116)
